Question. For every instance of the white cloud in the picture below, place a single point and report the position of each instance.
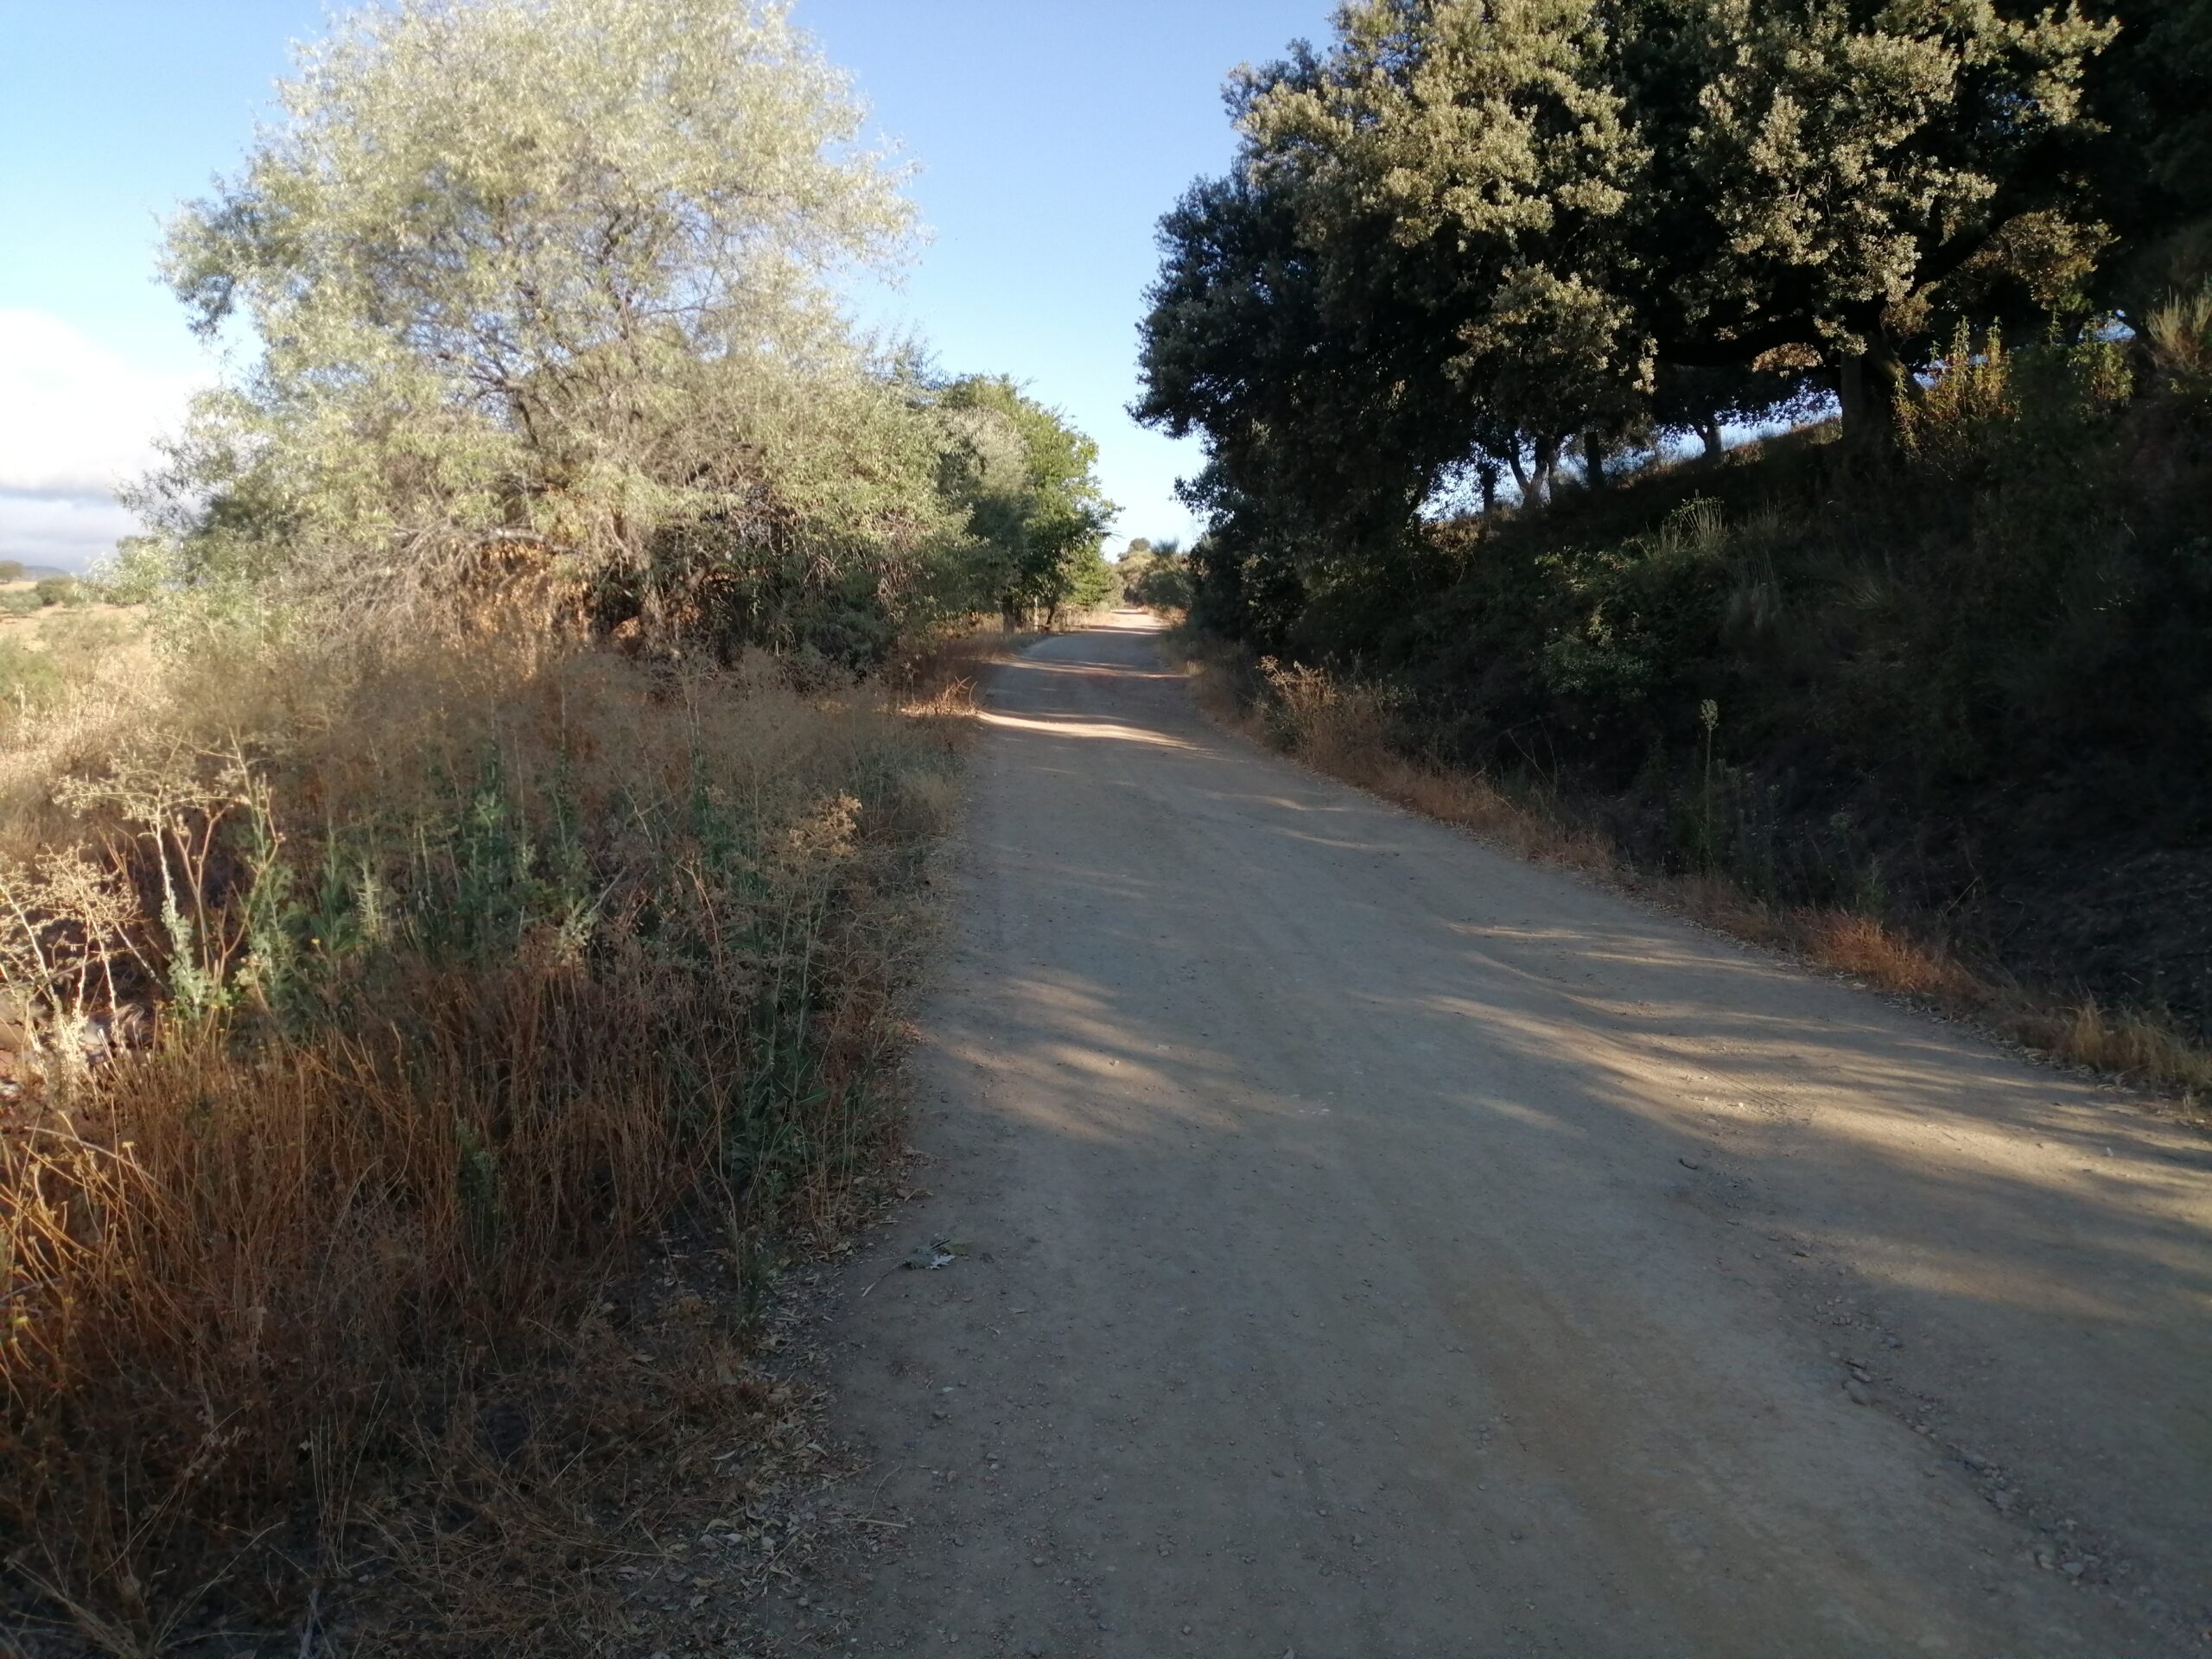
(76, 419)
(66, 533)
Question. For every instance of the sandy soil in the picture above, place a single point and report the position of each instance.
(1377, 1246)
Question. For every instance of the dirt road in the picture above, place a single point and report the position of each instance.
(1379, 1246)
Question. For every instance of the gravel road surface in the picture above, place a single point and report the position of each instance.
(1371, 1244)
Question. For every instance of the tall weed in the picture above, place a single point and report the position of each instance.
(367, 1020)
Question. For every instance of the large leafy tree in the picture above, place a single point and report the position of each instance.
(550, 275)
(1316, 388)
(1857, 173)
(1480, 161)
(1473, 228)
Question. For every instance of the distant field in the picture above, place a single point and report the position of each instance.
(48, 648)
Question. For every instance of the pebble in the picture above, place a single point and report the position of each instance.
(2072, 1569)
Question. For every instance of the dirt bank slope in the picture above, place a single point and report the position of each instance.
(1377, 1246)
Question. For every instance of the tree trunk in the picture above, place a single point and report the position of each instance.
(1593, 460)
(1870, 387)
(1486, 476)
(1546, 464)
(1708, 432)
(1520, 476)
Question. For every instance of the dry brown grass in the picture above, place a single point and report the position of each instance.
(939, 674)
(2126, 1045)
(1474, 803)
(1343, 729)
(467, 973)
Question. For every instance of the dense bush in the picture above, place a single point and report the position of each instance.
(2023, 593)
(59, 590)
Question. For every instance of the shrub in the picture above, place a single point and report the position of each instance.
(2181, 341)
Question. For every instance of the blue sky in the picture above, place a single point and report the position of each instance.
(1051, 135)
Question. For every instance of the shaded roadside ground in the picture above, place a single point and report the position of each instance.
(1374, 1245)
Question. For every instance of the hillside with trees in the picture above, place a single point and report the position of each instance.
(1780, 438)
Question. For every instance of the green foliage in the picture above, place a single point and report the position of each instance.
(2152, 92)
(2180, 333)
(1157, 576)
(11, 570)
(1036, 515)
(30, 678)
(59, 590)
(1467, 239)
(1949, 425)
(1495, 154)
(1091, 583)
(547, 278)
(69, 652)
(2017, 615)
(140, 570)
(545, 293)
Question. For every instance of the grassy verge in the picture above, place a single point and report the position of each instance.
(1343, 727)
(406, 1065)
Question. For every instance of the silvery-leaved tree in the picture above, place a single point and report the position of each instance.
(548, 279)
